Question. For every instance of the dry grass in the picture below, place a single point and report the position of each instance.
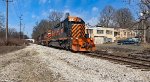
(13, 42)
(12, 45)
(141, 51)
(8, 49)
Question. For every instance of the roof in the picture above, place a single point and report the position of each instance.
(98, 28)
(73, 18)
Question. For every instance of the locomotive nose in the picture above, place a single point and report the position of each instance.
(84, 45)
(87, 45)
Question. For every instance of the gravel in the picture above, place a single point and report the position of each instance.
(43, 64)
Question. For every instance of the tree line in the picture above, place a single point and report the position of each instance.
(123, 18)
(45, 24)
(12, 33)
(110, 17)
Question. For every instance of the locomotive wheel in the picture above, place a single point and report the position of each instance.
(63, 46)
(67, 48)
(49, 44)
(42, 44)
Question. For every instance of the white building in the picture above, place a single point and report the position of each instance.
(30, 40)
(125, 33)
(101, 34)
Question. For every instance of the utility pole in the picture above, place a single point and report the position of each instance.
(6, 21)
(23, 31)
(144, 15)
(20, 26)
(7, 1)
(145, 31)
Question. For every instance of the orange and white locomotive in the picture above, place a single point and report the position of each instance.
(69, 34)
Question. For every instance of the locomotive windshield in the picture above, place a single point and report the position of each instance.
(77, 22)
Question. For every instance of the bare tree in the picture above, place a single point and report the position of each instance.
(55, 17)
(147, 4)
(124, 18)
(144, 18)
(1, 20)
(144, 2)
(13, 33)
(40, 28)
(44, 25)
(2, 33)
(106, 16)
(2, 30)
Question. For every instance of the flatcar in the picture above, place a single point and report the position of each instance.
(68, 34)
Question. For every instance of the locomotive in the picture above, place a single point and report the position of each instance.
(68, 34)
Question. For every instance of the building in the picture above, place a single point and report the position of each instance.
(104, 35)
(30, 40)
(101, 34)
(124, 33)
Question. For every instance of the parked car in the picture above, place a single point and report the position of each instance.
(129, 41)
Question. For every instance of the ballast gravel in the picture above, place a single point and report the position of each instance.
(65, 66)
(74, 67)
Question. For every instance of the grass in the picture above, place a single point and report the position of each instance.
(12, 45)
(13, 42)
(126, 50)
(124, 47)
(8, 49)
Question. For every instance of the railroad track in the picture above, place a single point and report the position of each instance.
(129, 61)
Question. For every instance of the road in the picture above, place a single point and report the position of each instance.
(37, 63)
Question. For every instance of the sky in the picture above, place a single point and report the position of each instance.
(33, 11)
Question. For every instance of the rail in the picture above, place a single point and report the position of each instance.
(135, 63)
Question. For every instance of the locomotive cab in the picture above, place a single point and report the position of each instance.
(80, 40)
(87, 36)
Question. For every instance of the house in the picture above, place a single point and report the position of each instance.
(124, 33)
(101, 34)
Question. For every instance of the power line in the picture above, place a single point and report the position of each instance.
(23, 31)
(18, 6)
(2, 5)
(15, 10)
(20, 25)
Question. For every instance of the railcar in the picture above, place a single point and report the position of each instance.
(69, 34)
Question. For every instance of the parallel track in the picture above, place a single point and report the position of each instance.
(130, 62)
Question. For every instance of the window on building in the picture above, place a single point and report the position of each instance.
(100, 31)
(90, 31)
(124, 33)
(116, 33)
(108, 32)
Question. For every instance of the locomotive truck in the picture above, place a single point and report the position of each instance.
(68, 34)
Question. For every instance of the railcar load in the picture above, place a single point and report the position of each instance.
(68, 34)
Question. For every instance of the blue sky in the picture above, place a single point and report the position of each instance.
(35, 10)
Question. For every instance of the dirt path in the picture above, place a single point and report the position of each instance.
(42, 64)
(23, 66)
